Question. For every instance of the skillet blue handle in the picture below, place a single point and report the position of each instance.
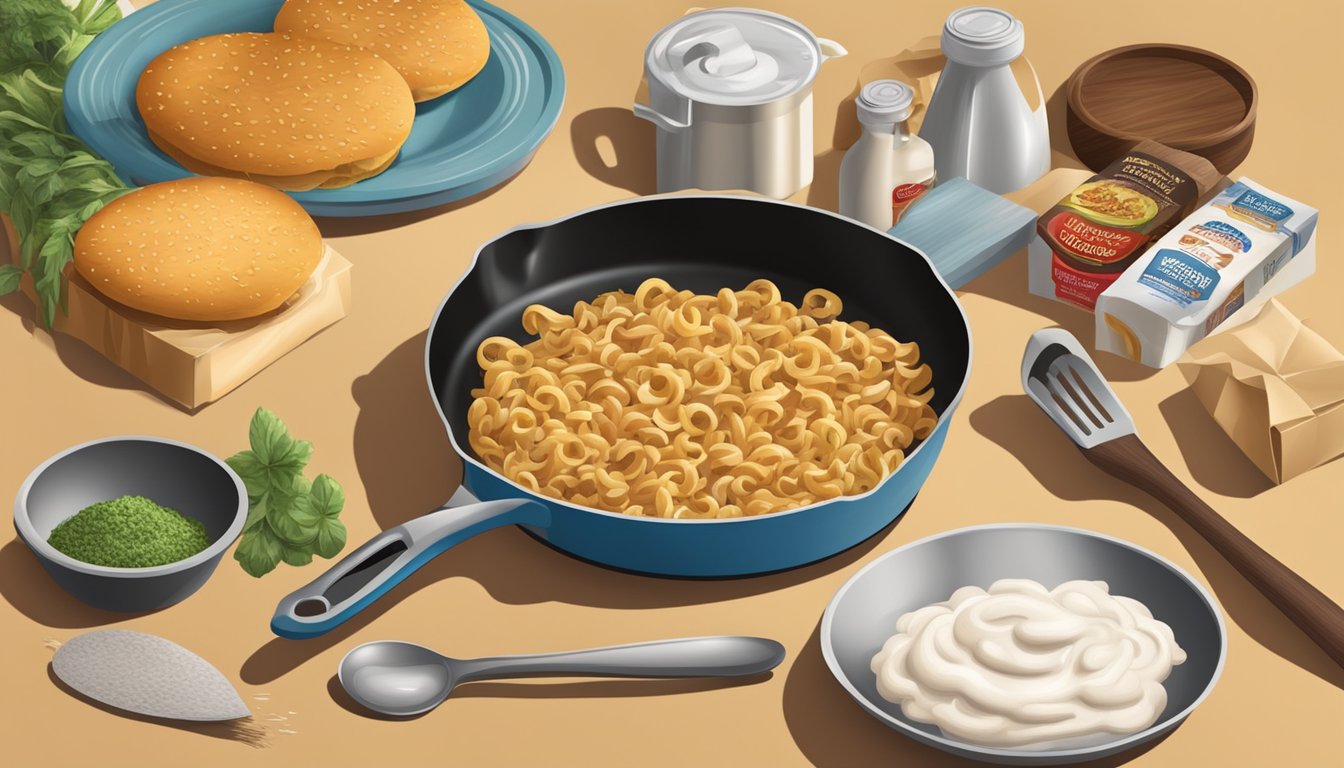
(388, 558)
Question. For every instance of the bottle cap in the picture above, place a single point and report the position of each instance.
(883, 103)
(980, 36)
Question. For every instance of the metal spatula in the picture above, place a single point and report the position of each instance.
(1060, 376)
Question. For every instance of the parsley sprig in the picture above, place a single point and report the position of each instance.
(50, 183)
(288, 519)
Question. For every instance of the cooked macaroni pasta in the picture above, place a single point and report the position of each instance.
(666, 403)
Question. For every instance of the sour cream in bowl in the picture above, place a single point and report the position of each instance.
(1025, 644)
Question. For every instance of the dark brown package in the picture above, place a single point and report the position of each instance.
(1088, 238)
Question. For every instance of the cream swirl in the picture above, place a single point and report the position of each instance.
(1021, 666)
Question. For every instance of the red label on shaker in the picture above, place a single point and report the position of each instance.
(903, 196)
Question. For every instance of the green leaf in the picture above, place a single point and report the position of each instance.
(259, 551)
(253, 473)
(256, 513)
(327, 497)
(296, 555)
(288, 518)
(293, 518)
(9, 278)
(272, 444)
(330, 537)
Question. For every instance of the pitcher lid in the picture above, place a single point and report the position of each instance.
(981, 36)
(734, 56)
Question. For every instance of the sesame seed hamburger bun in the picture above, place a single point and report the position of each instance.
(202, 249)
(437, 45)
(293, 113)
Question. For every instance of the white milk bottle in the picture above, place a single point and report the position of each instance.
(986, 119)
(889, 168)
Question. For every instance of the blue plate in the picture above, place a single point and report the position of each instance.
(462, 143)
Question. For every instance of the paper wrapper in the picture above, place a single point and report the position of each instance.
(196, 363)
(1276, 387)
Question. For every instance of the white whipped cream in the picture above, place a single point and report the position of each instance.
(1023, 667)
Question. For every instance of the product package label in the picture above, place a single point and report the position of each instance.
(1091, 241)
(1253, 206)
(1179, 277)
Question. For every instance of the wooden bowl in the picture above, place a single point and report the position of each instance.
(1187, 98)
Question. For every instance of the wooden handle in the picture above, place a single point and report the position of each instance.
(1128, 459)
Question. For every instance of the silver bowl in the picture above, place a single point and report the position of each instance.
(173, 474)
(864, 611)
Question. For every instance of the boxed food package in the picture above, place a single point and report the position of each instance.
(1212, 264)
(1087, 240)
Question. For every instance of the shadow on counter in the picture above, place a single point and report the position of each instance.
(833, 731)
(351, 226)
(244, 731)
(27, 587)
(616, 148)
(81, 359)
(1213, 459)
(408, 468)
(587, 689)
(1015, 424)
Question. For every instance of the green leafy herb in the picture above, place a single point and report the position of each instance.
(50, 183)
(288, 519)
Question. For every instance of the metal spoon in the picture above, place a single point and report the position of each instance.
(401, 679)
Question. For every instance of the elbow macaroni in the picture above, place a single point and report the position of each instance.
(667, 403)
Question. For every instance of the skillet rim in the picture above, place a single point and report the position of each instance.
(467, 457)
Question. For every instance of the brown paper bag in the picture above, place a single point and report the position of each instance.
(1276, 387)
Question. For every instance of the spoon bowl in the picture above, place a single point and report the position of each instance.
(403, 679)
(396, 678)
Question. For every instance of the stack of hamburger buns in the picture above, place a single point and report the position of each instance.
(325, 100)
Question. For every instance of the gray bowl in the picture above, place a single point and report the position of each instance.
(173, 474)
(863, 615)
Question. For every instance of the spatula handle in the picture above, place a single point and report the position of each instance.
(1128, 459)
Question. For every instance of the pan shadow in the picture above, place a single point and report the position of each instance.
(833, 731)
(616, 148)
(32, 592)
(244, 730)
(1214, 460)
(587, 689)
(1017, 425)
(405, 462)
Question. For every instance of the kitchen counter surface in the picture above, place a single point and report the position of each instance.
(357, 391)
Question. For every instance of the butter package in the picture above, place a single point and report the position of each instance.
(1200, 273)
(1087, 240)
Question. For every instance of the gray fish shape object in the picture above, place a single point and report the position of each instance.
(147, 675)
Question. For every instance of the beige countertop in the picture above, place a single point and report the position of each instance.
(357, 391)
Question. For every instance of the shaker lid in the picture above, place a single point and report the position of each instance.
(981, 36)
(883, 103)
(734, 56)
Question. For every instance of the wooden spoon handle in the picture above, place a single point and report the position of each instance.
(1128, 459)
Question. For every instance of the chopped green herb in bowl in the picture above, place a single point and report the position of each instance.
(129, 532)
